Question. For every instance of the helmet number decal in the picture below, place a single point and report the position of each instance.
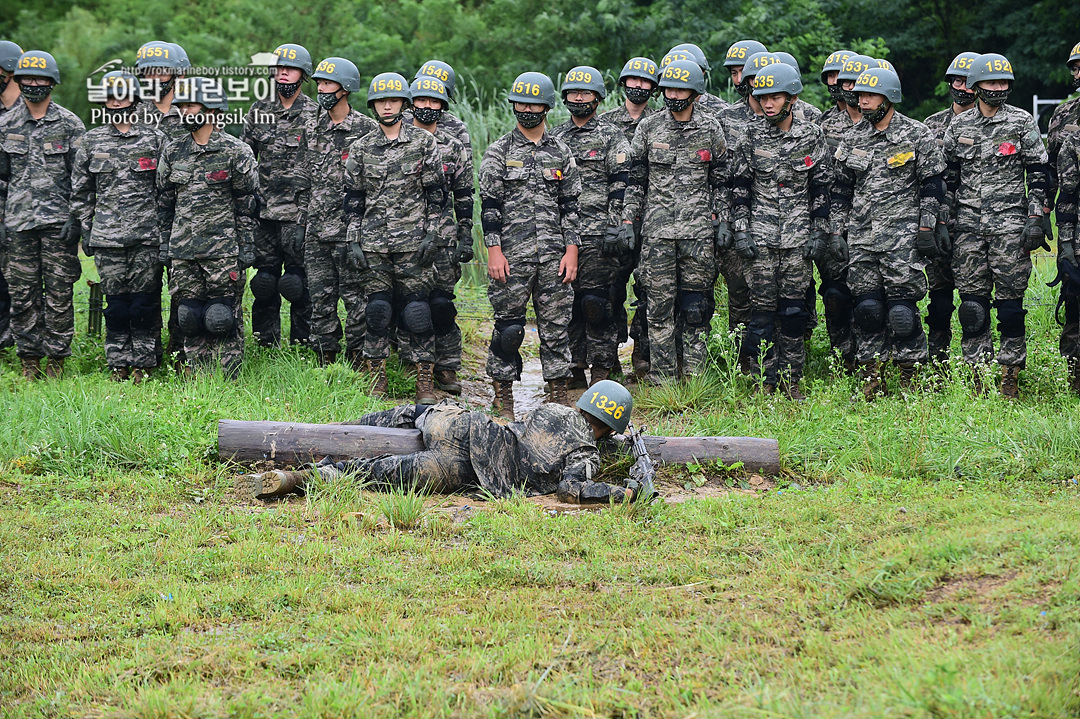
(962, 63)
(736, 51)
(641, 65)
(608, 406)
(32, 61)
(425, 83)
(384, 84)
(286, 52)
(434, 71)
(998, 66)
(527, 88)
(579, 76)
(868, 80)
(764, 61)
(676, 73)
(764, 81)
(325, 66)
(158, 51)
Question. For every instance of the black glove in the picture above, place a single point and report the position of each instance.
(292, 236)
(1047, 227)
(627, 238)
(1067, 252)
(610, 246)
(464, 251)
(3, 235)
(70, 231)
(247, 255)
(926, 243)
(425, 254)
(745, 246)
(724, 238)
(356, 256)
(1033, 236)
(838, 247)
(941, 237)
(814, 249)
(163, 253)
(86, 232)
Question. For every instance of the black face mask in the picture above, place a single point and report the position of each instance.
(780, 116)
(191, 123)
(961, 97)
(677, 105)
(287, 89)
(876, 116)
(427, 115)
(4, 80)
(850, 97)
(164, 88)
(35, 93)
(529, 120)
(743, 88)
(1075, 84)
(993, 98)
(638, 95)
(329, 100)
(836, 92)
(116, 115)
(581, 109)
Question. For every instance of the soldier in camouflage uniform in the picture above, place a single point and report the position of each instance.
(780, 198)
(801, 109)
(552, 450)
(939, 275)
(395, 196)
(736, 60)
(1068, 175)
(888, 195)
(602, 154)
(1001, 215)
(638, 79)
(679, 184)
(449, 123)
(114, 198)
(430, 99)
(330, 274)
(9, 96)
(208, 187)
(279, 147)
(529, 187)
(1064, 122)
(840, 117)
(38, 140)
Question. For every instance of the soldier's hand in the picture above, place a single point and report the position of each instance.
(1047, 226)
(724, 238)
(464, 251)
(926, 243)
(163, 253)
(838, 247)
(356, 256)
(70, 231)
(294, 237)
(86, 248)
(568, 265)
(1067, 252)
(745, 247)
(498, 267)
(247, 255)
(627, 237)
(815, 249)
(1033, 236)
(425, 255)
(3, 236)
(610, 246)
(944, 242)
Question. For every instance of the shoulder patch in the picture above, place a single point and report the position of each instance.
(661, 146)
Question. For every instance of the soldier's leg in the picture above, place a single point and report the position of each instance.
(379, 285)
(25, 285)
(60, 269)
(575, 330)
(1011, 269)
(596, 295)
(446, 273)
(793, 278)
(509, 301)
(293, 287)
(939, 312)
(413, 283)
(223, 318)
(735, 269)
(1069, 343)
(144, 274)
(112, 269)
(626, 264)
(657, 268)
(639, 326)
(759, 341)
(354, 298)
(696, 283)
(324, 286)
(189, 292)
(836, 295)
(974, 283)
(176, 336)
(552, 301)
(868, 296)
(266, 306)
(905, 285)
(6, 338)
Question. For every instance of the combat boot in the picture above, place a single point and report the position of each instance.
(872, 384)
(637, 359)
(791, 390)
(54, 367)
(557, 393)
(1010, 382)
(327, 358)
(138, 374)
(425, 383)
(907, 375)
(31, 368)
(277, 483)
(599, 374)
(578, 380)
(503, 404)
(120, 374)
(1074, 375)
(447, 381)
(381, 388)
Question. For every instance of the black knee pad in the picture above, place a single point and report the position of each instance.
(378, 314)
(189, 315)
(145, 310)
(218, 318)
(291, 286)
(506, 339)
(793, 317)
(869, 311)
(903, 317)
(443, 311)
(596, 307)
(415, 314)
(760, 331)
(696, 308)
(1010, 314)
(939, 312)
(974, 314)
(117, 313)
(836, 297)
(264, 285)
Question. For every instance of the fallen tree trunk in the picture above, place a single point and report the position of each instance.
(289, 443)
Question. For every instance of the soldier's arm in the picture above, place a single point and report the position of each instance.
(1068, 173)
(952, 172)
(720, 176)
(83, 189)
(742, 182)
(245, 184)
(930, 169)
(492, 194)
(5, 174)
(248, 133)
(433, 180)
(618, 172)
(819, 184)
(166, 199)
(842, 191)
(637, 177)
(353, 197)
(569, 191)
(463, 196)
(1037, 165)
(1054, 143)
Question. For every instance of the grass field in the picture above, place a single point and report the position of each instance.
(917, 557)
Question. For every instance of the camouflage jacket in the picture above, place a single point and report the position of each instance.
(684, 165)
(987, 160)
(939, 122)
(622, 120)
(280, 147)
(327, 150)
(803, 110)
(168, 123)
(835, 122)
(36, 159)
(780, 183)
(602, 154)
(207, 196)
(1068, 172)
(450, 125)
(529, 197)
(1064, 122)
(112, 185)
(402, 186)
(457, 166)
(887, 183)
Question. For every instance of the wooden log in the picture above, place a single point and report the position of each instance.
(288, 443)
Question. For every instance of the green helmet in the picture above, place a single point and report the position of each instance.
(609, 401)
(641, 67)
(123, 85)
(158, 55)
(856, 65)
(683, 73)
(741, 51)
(290, 55)
(778, 77)
(788, 59)
(534, 88)
(758, 62)
(990, 66)
(426, 86)
(697, 54)
(181, 53)
(440, 71)
(881, 81)
(37, 63)
(835, 63)
(9, 55)
(584, 77)
(1074, 55)
(388, 85)
(339, 70)
(883, 64)
(961, 65)
(202, 91)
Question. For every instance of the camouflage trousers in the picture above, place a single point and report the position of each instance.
(331, 277)
(593, 332)
(446, 272)
(41, 270)
(885, 287)
(679, 277)
(203, 280)
(553, 302)
(775, 335)
(129, 280)
(985, 268)
(6, 340)
(836, 296)
(398, 279)
(1069, 343)
(735, 271)
(942, 286)
(275, 256)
